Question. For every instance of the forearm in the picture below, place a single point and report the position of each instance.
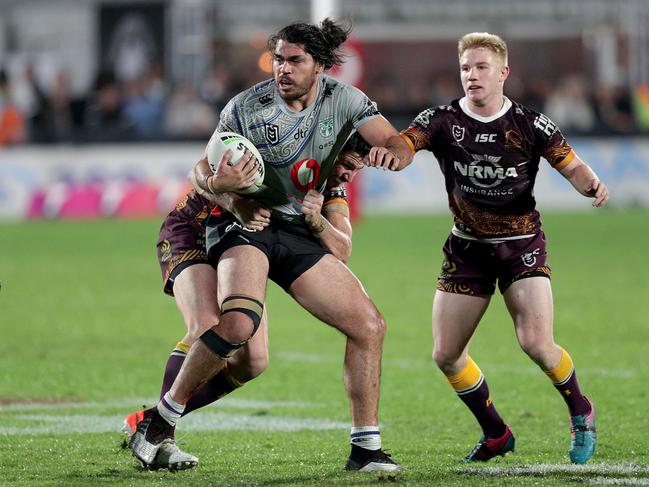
(199, 178)
(400, 148)
(581, 176)
(335, 233)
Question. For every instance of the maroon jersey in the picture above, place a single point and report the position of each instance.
(490, 164)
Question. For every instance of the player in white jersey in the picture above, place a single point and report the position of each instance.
(299, 121)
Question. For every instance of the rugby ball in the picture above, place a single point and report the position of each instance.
(237, 143)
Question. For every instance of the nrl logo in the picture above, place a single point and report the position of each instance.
(458, 133)
(529, 258)
(326, 127)
(272, 133)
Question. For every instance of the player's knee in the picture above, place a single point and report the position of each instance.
(240, 318)
(533, 344)
(373, 326)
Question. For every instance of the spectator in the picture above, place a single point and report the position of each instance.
(12, 121)
(614, 110)
(187, 115)
(568, 106)
(106, 120)
(145, 112)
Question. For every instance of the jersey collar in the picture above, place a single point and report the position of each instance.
(465, 108)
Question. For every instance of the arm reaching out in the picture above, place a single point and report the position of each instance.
(584, 180)
(389, 150)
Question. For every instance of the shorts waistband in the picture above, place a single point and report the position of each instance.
(496, 240)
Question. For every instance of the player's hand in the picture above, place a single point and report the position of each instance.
(599, 191)
(251, 214)
(311, 207)
(232, 178)
(382, 158)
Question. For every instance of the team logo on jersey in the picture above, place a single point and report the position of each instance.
(326, 127)
(165, 251)
(305, 174)
(272, 133)
(458, 133)
(529, 258)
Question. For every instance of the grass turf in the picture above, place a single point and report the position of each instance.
(86, 331)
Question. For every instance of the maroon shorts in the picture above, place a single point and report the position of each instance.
(472, 267)
(182, 238)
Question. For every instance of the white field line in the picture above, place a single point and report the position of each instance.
(541, 469)
(618, 481)
(425, 363)
(37, 424)
(135, 403)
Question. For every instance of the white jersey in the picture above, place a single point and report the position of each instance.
(299, 149)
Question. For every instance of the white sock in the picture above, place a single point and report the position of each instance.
(368, 437)
(169, 409)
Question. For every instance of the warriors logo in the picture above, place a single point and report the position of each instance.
(305, 174)
(326, 127)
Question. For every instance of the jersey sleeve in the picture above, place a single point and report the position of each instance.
(229, 120)
(360, 108)
(553, 145)
(421, 132)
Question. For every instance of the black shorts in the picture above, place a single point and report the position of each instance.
(182, 238)
(472, 267)
(291, 249)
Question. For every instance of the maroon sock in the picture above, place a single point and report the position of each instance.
(174, 363)
(480, 404)
(213, 390)
(575, 400)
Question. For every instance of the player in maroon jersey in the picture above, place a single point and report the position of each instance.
(489, 148)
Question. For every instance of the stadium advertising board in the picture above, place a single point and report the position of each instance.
(147, 179)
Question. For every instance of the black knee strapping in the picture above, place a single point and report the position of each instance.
(219, 346)
(248, 306)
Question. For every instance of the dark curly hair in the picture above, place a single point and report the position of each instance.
(357, 144)
(321, 42)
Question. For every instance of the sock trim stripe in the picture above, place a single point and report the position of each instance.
(471, 389)
(572, 371)
(364, 433)
(170, 407)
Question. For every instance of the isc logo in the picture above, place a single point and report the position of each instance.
(485, 138)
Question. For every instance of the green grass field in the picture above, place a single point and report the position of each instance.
(86, 331)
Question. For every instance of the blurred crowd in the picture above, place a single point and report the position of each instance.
(149, 108)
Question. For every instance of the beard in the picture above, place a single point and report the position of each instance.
(296, 90)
